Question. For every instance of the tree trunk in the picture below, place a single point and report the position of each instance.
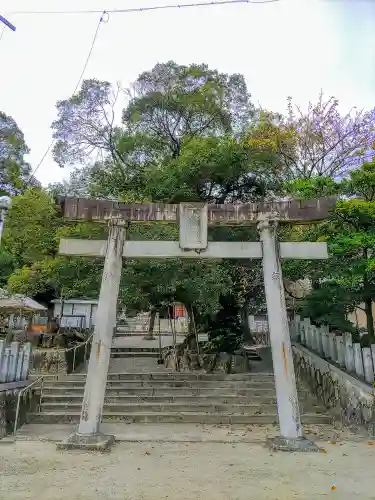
(151, 324)
(369, 320)
(190, 339)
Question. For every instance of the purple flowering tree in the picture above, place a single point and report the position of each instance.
(324, 142)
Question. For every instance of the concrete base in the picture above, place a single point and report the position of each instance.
(149, 337)
(303, 444)
(91, 442)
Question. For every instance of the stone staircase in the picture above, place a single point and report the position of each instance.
(134, 352)
(132, 326)
(138, 326)
(168, 397)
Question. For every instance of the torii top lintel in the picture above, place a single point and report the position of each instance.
(302, 211)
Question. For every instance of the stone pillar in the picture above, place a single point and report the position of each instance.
(294, 333)
(5, 365)
(306, 325)
(358, 362)
(349, 355)
(324, 335)
(332, 346)
(314, 337)
(308, 336)
(372, 347)
(26, 361)
(302, 331)
(19, 365)
(286, 391)
(88, 435)
(319, 340)
(14, 352)
(367, 365)
(340, 350)
(2, 349)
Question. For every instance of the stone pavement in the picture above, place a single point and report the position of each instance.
(190, 433)
(188, 471)
(135, 365)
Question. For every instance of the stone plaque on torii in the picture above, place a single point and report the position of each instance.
(193, 220)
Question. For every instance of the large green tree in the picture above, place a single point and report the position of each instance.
(168, 107)
(31, 224)
(347, 280)
(216, 170)
(15, 172)
(173, 103)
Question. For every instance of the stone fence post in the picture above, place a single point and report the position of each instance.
(339, 349)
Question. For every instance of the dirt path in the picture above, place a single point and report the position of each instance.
(184, 471)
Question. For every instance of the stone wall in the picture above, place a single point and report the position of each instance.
(8, 406)
(59, 361)
(184, 359)
(351, 401)
(49, 361)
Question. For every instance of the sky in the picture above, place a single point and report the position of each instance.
(287, 48)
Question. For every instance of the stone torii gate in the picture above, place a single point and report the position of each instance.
(193, 219)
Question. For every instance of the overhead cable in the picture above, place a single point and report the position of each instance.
(102, 19)
(140, 9)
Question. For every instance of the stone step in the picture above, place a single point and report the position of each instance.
(267, 398)
(162, 391)
(189, 417)
(137, 349)
(249, 408)
(142, 333)
(119, 352)
(169, 375)
(188, 384)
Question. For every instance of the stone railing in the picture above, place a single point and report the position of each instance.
(10, 394)
(60, 361)
(335, 371)
(340, 349)
(14, 361)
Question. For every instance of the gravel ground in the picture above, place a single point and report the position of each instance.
(184, 471)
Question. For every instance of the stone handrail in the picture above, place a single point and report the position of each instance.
(14, 361)
(339, 349)
(337, 371)
(58, 361)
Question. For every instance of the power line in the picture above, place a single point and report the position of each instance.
(140, 9)
(101, 20)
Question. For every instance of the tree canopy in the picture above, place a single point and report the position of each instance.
(190, 133)
(347, 280)
(15, 172)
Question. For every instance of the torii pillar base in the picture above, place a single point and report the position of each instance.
(87, 442)
(300, 444)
